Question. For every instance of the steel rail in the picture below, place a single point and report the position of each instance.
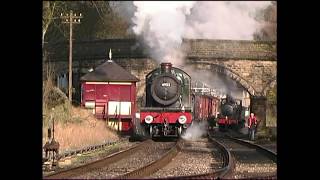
(155, 165)
(272, 155)
(97, 164)
(227, 165)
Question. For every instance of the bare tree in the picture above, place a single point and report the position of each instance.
(269, 30)
(47, 16)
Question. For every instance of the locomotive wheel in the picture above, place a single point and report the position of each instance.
(179, 131)
(150, 132)
(222, 128)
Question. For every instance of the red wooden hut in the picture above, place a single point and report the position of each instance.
(111, 91)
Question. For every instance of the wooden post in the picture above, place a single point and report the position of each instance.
(71, 19)
(70, 57)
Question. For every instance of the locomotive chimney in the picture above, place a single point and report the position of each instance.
(166, 67)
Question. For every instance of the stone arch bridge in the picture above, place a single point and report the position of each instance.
(252, 64)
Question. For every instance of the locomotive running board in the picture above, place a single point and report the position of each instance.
(165, 136)
(173, 109)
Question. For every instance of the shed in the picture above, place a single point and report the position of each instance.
(111, 91)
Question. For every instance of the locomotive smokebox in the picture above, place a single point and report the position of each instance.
(166, 67)
(166, 88)
(227, 110)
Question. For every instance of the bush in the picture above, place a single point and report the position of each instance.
(55, 97)
(60, 114)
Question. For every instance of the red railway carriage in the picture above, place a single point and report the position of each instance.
(205, 107)
(111, 92)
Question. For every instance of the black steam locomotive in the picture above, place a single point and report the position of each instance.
(231, 113)
(168, 101)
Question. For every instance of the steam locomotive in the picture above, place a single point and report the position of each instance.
(171, 106)
(231, 113)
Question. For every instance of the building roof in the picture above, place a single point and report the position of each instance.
(109, 72)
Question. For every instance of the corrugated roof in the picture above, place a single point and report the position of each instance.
(109, 72)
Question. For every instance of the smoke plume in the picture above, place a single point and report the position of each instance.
(195, 131)
(212, 79)
(162, 25)
(233, 20)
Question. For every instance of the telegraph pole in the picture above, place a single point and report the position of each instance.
(70, 19)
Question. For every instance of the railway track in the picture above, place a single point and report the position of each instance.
(135, 162)
(223, 156)
(87, 149)
(142, 161)
(155, 165)
(83, 158)
(265, 143)
(204, 158)
(71, 172)
(250, 160)
(221, 168)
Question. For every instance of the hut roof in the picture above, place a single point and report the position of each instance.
(110, 72)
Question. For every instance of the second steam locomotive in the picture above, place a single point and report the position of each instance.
(231, 115)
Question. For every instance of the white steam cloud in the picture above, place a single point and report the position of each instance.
(233, 20)
(162, 25)
(195, 131)
(222, 84)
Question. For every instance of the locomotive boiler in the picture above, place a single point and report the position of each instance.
(167, 111)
